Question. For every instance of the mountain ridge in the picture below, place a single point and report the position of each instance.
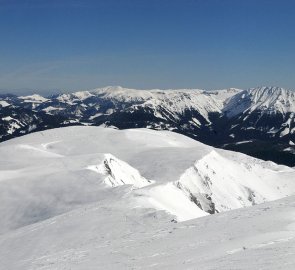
(222, 118)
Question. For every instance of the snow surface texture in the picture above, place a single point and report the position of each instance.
(93, 198)
(112, 237)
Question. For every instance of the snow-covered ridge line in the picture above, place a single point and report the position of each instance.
(229, 100)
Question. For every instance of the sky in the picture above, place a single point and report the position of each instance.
(67, 45)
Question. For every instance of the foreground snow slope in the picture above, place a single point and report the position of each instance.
(103, 237)
(100, 198)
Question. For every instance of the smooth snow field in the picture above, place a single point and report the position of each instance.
(101, 198)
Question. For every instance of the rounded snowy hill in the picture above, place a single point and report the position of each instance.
(82, 197)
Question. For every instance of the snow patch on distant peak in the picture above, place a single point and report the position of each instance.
(119, 173)
(4, 103)
(33, 98)
(82, 94)
(122, 94)
(51, 108)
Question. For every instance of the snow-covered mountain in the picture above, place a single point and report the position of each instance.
(269, 110)
(258, 121)
(155, 108)
(271, 100)
(93, 197)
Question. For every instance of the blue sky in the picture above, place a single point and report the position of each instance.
(74, 44)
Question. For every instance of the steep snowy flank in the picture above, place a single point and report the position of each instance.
(264, 113)
(170, 198)
(267, 99)
(218, 184)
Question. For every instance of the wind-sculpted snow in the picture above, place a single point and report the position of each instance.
(119, 173)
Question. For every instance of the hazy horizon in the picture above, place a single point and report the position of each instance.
(49, 92)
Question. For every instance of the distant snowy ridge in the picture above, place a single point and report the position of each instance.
(263, 112)
(267, 99)
(174, 101)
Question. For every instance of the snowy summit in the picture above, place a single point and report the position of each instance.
(92, 197)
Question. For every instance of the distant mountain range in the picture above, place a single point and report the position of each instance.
(258, 121)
